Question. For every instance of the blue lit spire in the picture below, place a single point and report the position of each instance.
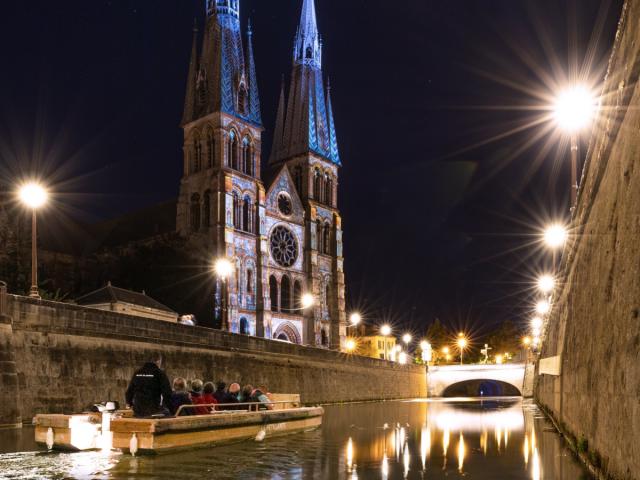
(308, 124)
(308, 48)
(225, 77)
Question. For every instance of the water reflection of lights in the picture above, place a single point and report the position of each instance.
(510, 419)
(385, 467)
(484, 440)
(350, 454)
(499, 437)
(445, 442)
(461, 452)
(525, 449)
(535, 473)
(407, 460)
(425, 445)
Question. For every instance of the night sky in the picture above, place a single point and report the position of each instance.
(439, 220)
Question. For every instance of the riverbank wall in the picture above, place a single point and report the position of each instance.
(61, 358)
(589, 371)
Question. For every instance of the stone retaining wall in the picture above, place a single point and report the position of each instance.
(69, 357)
(594, 332)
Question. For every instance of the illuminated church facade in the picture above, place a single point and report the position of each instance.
(277, 222)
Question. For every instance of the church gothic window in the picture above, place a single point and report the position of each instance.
(297, 295)
(285, 206)
(247, 217)
(232, 153)
(284, 247)
(285, 294)
(273, 293)
(328, 191)
(320, 236)
(211, 149)
(198, 153)
(206, 210)
(326, 241)
(247, 156)
(195, 212)
(317, 185)
(249, 282)
(244, 326)
(236, 212)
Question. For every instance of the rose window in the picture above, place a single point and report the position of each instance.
(284, 204)
(284, 247)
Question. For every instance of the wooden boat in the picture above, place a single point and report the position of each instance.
(120, 431)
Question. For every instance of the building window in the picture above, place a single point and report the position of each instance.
(320, 236)
(198, 152)
(249, 282)
(236, 212)
(297, 295)
(206, 209)
(325, 338)
(244, 327)
(211, 148)
(273, 293)
(380, 345)
(285, 294)
(232, 152)
(247, 156)
(195, 212)
(328, 195)
(317, 186)
(247, 214)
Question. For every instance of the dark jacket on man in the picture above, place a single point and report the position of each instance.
(148, 391)
(179, 399)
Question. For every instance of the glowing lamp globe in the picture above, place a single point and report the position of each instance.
(424, 345)
(574, 109)
(385, 330)
(308, 301)
(543, 307)
(555, 236)
(546, 283)
(536, 323)
(355, 319)
(406, 338)
(33, 195)
(462, 342)
(402, 358)
(223, 268)
(350, 345)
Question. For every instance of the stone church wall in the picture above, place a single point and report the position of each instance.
(68, 357)
(595, 327)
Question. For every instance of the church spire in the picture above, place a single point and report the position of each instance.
(190, 97)
(308, 48)
(255, 114)
(278, 134)
(334, 153)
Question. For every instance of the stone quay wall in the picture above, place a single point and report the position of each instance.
(60, 358)
(590, 361)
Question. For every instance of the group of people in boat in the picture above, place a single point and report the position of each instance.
(150, 394)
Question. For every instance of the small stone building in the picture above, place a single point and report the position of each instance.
(115, 299)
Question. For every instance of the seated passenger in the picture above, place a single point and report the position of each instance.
(232, 397)
(149, 391)
(180, 397)
(221, 391)
(197, 397)
(208, 396)
(261, 396)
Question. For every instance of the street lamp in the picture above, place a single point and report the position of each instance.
(555, 236)
(355, 319)
(385, 331)
(536, 322)
(350, 345)
(546, 283)
(307, 301)
(223, 269)
(462, 344)
(574, 109)
(406, 338)
(33, 196)
(427, 352)
(543, 307)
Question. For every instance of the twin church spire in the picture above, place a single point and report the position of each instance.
(222, 77)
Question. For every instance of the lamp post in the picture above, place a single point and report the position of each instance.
(406, 338)
(224, 269)
(33, 196)
(573, 110)
(462, 343)
(355, 319)
(385, 330)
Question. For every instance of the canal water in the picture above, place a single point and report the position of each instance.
(497, 439)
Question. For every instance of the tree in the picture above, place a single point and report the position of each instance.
(505, 339)
(439, 337)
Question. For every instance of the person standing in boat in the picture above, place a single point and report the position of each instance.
(149, 392)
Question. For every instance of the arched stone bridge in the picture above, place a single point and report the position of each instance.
(476, 380)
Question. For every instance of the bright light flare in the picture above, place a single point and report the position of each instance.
(574, 109)
(526, 341)
(546, 283)
(33, 195)
(402, 358)
(350, 345)
(462, 343)
(555, 236)
(424, 345)
(499, 359)
(223, 268)
(308, 301)
(385, 330)
(355, 319)
(543, 307)
(536, 323)
(406, 338)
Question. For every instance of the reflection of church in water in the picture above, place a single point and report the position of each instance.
(278, 223)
